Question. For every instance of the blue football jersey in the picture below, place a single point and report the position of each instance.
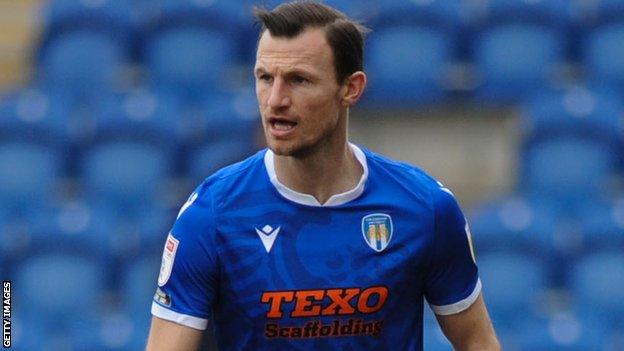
(272, 269)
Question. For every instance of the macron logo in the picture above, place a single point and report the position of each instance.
(268, 235)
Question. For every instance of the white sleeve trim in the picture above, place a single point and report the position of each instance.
(459, 305)
(179, 318)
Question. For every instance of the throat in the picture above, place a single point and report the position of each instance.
(322, 177)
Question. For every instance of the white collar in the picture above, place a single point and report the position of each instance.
(309, 200)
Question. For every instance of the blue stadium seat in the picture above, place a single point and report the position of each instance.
(138, 283)
(514, 60)
(83, 63)
(35, 114)
(563, 331)
(190, 60)
(114, 16)
(225, 131)
(597, 282)
(205, 159)
(571, 136)
(577, 110)
(224, 117)
(125, 173)
(598, 12)
(219, 11)
(28, 175)
(409, 75)
(602, 224)
(193, 46)
(513, 223)
(568, 168)
(106, 229)
(108, 331)
(137, 286)
(513, 284)
(84, 336)
(57, 287)
(576, 130)
(362, 10)
(437, 13)
(28, 332)
(21, 230)
(519, 11)
(602, 51)
(141, 114)
(116, 331)
(85, 45)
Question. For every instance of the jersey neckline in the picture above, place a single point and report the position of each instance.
(309, 200)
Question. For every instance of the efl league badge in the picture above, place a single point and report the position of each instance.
(377, 230)
(166, 266)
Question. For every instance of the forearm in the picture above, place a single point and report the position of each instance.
(471, 329)
(166, 336)
(482, 343)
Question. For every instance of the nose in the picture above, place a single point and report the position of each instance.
(278, 96)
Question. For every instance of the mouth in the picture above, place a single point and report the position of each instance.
(281, 127)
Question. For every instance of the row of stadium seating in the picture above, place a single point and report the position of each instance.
(129, 146)
(156, 127)
(192, 47)
(126, 16)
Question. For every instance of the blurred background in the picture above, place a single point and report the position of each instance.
(111, 112)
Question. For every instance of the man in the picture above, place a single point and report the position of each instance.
(316, 243)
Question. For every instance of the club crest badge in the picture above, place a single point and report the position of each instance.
(377, 230)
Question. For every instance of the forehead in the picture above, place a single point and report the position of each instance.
(309, 50)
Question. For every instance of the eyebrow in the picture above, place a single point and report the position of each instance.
(288, 73)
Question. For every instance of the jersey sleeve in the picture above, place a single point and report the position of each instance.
(452, 283)
(187, 283)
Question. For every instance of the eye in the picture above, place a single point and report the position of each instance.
(300, 80)
(265, 77)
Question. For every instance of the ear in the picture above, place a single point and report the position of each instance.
(352, 88)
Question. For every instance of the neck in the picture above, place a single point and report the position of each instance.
(330, 170)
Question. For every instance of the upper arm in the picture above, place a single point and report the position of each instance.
(188, 279)
(470, 329)
(165, 335)
(451, 283)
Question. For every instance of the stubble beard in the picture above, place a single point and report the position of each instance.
(300, 151)
(305, 150)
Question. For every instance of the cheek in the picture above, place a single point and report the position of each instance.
(322, 117)
(260, 96)
(321, 103)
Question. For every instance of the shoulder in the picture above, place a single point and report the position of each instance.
(200, 206)
(233, 172)
(233, 178)
(410, 177)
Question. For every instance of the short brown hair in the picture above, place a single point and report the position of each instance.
(344, 35)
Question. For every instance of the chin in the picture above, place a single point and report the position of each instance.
(282, 150)
(289, 149)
